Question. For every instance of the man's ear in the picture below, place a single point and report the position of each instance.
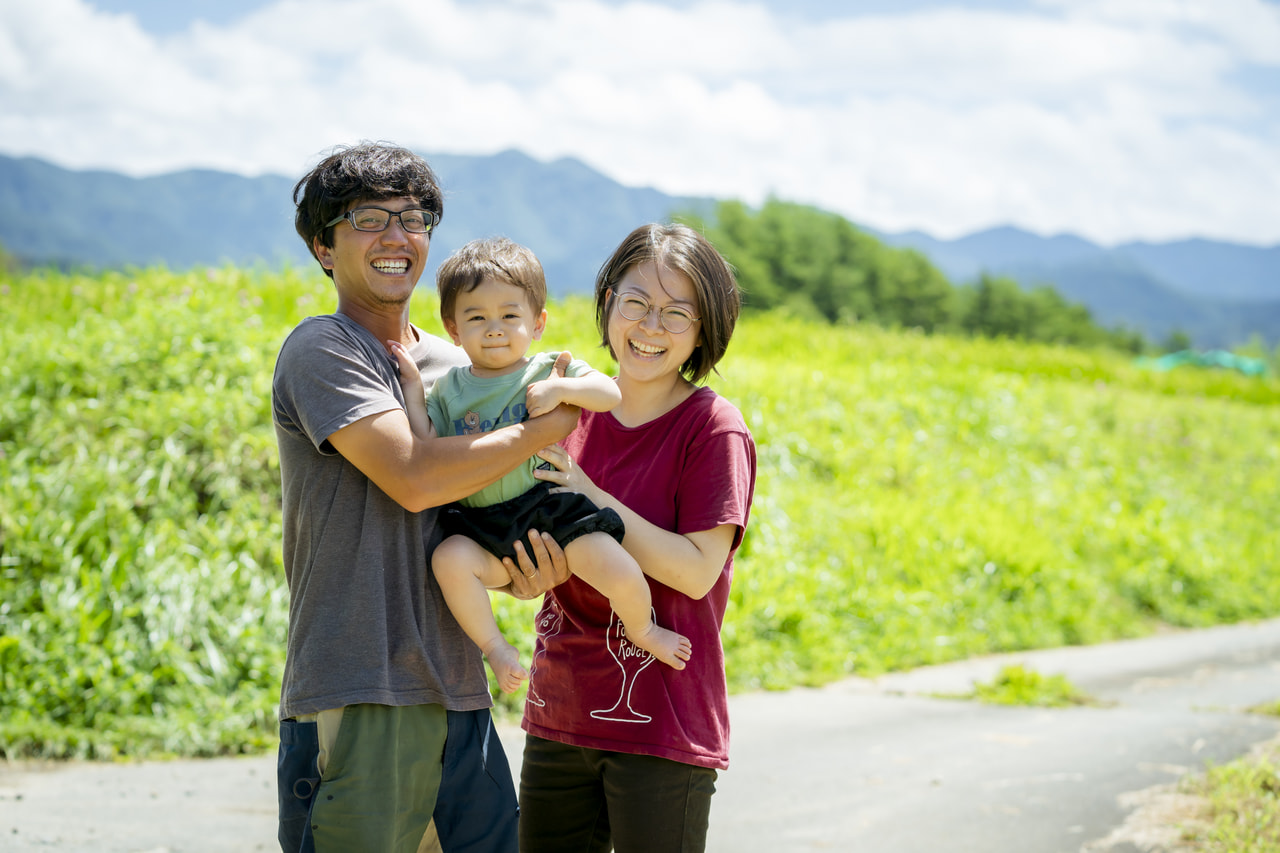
(540, 326)
(451, 326)
(324, 254)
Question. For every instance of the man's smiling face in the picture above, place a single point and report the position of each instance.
(378, 269)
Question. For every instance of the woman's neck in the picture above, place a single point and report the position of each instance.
(646, 401)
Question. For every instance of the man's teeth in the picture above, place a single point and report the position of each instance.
(391, 266)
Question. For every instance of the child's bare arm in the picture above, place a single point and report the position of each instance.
(411, 383)
(592, 390)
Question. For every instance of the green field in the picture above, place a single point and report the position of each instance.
(920, 499)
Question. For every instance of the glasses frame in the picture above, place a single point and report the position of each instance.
(650, 308)
(433, 219)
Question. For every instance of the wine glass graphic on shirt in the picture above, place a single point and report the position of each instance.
(631, 659)
(550, 620)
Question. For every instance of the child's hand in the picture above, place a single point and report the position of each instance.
(543, 396)
(548, 393)
(410, 378)
(415, 401)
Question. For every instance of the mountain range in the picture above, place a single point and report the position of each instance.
(1220, 294)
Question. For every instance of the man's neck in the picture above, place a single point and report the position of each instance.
(383, 325)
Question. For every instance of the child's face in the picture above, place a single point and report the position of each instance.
(495, 324)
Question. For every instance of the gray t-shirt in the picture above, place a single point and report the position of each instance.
(367, 620)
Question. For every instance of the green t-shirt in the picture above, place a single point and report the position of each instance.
(461, 403)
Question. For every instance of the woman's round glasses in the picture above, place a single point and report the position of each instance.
(414, 220)
(673, 318)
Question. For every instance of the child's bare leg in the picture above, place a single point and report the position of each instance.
(466, 572)
(599, 560)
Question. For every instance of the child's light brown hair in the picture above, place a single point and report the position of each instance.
(497, 258)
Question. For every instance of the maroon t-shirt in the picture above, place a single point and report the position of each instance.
(692, 469)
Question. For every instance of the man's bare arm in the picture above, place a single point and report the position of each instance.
(421, 473)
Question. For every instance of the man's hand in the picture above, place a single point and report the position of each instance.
(562, 364)
(531, 579)
(548, 567)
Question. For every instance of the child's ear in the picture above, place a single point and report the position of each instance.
(540, 326)
(451, 326)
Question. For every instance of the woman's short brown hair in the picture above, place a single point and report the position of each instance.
(680, 249)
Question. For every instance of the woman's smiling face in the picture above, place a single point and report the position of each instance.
(645, 350)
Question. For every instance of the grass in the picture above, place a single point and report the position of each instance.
(920, 499)
(1240, 801)
(1227, 808)
(1237, 806)
(1016, 685)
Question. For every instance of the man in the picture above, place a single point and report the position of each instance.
(377, 670)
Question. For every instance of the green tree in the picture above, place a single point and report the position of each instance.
(738, 235)
(997, 309)
(1177, 341)
(812, 261)
(8, 263)
(817, 264)
(1052, 319)
(921, 296)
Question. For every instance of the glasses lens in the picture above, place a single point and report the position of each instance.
(633, 307)
(417, 221)
(676, 321)
(369, 219)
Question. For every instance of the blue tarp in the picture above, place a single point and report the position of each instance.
(1207, 358)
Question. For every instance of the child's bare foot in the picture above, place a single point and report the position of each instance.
(667, 646)
(504, 660)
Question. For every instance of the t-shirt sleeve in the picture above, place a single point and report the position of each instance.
(436, 408)
(717, 482)
(325, 380)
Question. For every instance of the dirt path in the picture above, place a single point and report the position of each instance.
(881, 765)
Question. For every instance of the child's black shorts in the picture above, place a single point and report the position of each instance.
(565, 515)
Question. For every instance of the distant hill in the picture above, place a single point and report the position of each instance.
(103, 219)
(1220, 294)
(572, 216)
(569, 214)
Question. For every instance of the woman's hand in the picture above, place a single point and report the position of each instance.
(566, 475)
(690, 563)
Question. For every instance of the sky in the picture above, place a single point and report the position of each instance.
(1114, 120)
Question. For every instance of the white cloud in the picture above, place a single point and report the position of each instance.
(1114, 119)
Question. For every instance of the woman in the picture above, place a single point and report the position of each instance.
(618, 751)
